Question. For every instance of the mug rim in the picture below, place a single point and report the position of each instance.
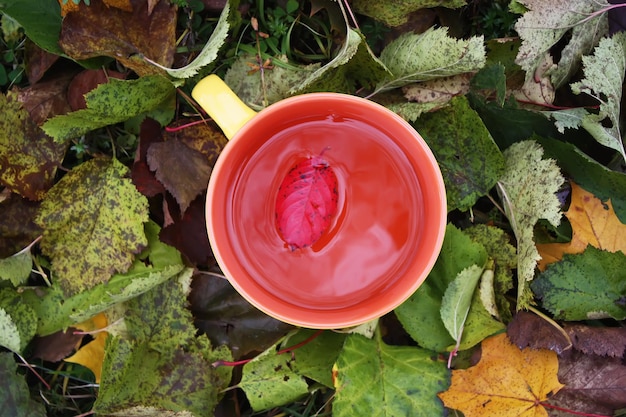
(331, 320)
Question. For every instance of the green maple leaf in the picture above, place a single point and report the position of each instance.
(93, 224)
(433, 54)
(375, 379)
(528, 191)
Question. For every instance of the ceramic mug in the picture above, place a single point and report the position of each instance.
(382, 240)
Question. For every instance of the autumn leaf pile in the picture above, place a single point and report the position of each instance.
(107, 280)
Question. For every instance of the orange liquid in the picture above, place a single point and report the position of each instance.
(372, 236)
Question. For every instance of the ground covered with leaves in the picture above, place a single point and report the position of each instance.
(111, 302)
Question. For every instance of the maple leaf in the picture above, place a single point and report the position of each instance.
(97, 213)
(593, 223)
(528, 191)
(506, 381)
(91, 355)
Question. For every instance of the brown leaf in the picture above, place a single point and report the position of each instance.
(98, 30)
(593, 223)
(38, 61)
(529, 330)
(17, 229)
(86, 81)
(120, 4)
(183, 171)
(189, 235)
(143, 178)
(593, 385)
(601, 341)
(56, 346)
(47, 99)
(205, 138)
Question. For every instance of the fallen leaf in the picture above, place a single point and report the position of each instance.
(38, 61)
(56, 346)
(601, 341)
(439, 90)
(120, 4)
(94, 211)
(594, 385)
(538, 89)
(528, 330)
(14, 391)
(306, 202)
(593, 223)
(17, 228)
(99, 30)
(397, 13)
(528, 192)
(16, 268)
(506, 381)
(86, 81)
(589, 285)
(91, 355)
(18, 322)
(143, 178)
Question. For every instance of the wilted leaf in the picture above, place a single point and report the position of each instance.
(528, 191)
(56, 346)
(17, 229)
(420, 315)
(375, 379)
(538, 89)
(595, 340)
(112, 103)
(93, 224)
(161, 365)
(529, 330)
(353, 66)
(91, 355)
(397, 13)
(228, 319)
(183, 171)
(55, 311)
(589, 285)
(506, 381)
(547, 22)
(28, 157)
(604, 76)
(413, 58)
(99, 30)
(470, 161)
(16, 268)
(18, 321)
(208, 53)
(593, 223)
(594, 385)
(14, 393)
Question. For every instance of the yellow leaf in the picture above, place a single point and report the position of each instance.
(506, 382)
(593, 223)
(92, 354)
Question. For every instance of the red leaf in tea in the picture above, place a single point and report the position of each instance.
(306, 202)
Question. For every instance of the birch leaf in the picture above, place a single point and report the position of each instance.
(414, 57)
(528, 191)
(93, 224)
(604, 76)
(457, 299)
(547, 22)
(208, 53)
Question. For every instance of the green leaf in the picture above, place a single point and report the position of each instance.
(41, 21)
(397, 13)
(491, 78)
(93, 224)
(208, 53)
(375, 379)
(14, 393)
(28, 157)
(395, 101)
(584, 286)
(413, 58)
(589, 174)
(161, 365)
(455, 305)
(420, 315)
(354, 65)
(16, 268)
(470, 161)
(155, 265)
(114, 102)
(549, 21)
(604, 76)
(528, 191)
(18, 322)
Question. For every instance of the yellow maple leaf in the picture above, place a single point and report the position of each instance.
(593, 223)
(92, 354)
(506, 381)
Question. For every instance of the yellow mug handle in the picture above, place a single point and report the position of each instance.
(222, 104)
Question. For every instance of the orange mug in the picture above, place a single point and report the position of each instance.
(381, 241)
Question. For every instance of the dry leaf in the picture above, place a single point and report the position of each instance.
(92, 354)
(593, 222)
(119, 4)
(439, 90)
(506, 382)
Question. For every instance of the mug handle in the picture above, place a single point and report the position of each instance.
(222, 104)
